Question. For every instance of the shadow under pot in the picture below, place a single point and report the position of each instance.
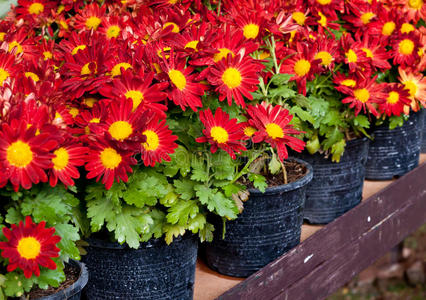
(395, 152)
(269, 225)
(73, 291)
(336, 187)
(153, 271)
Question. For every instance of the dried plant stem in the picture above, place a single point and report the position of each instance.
(284, 172)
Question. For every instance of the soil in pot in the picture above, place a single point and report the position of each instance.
(153, 271)
(76, 278)
(269, 225)
(395, 152)
(336, 187)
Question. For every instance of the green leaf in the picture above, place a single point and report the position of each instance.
(337, 150)
(173, 231)
(50, 277)
(282, 91)
(180, 161)
(259, 181)
(361, 121)
(185, 188)
(274, 164)
(333, 118)
(129, 225)
(100, 211)
(16, 284)
(156, 228)
(13, 216)
(206, 234)
(313, 145)
(182, 211)
(204, 193)
(223, 165)
(333, 136)
(170, 198)
(145, 188)
(69, 236)
(217, 202)
(231, 189)
(280, 79)
(395, 121)
(199, 169)
(197, 223)
(302, 114)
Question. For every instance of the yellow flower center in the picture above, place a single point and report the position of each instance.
(110, 158)
(274, 131)
(31, 75)
(192, 45)
(2, 34)
(348, 82)
(324, 2)
(249, 131)
(113, 31)
(73, 111)
(90, 101)
(406, 47)
(79, 47)
(85, 70)
(416, 4)
(3, 76)
(178, 79)
(367, 52)
(116, 70)
(366, 17)
(412, 87)
(388, 28)
(362, 95)
(351, 56)
(95, 120)
(61, 8)
(63, 24)
(299, 18)
(136, 96)
(60, 161)
(17, 45)
(152, 140)
(223, 52)
(120, 130)
(29, 247)
(36, 8)
(219, 134)
(302, 67)
(164, 50)
(325, 57)
(173, 1)
(251, 31)
(19, 154)
(47, 55)
(175, 29)
(232, 78)
(323, 19)
(407, 28)
(93, 23)
(393, 97)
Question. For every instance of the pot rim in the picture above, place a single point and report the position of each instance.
(289, 186)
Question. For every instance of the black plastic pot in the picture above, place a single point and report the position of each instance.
(269, 225)
(153, 271)
(73, 292)
(395, 152)
(423, 150)
(336, 187)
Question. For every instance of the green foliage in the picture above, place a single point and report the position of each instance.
(259, 181)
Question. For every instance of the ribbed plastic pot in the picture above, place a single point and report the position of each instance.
(423, 147)
(395, 152)
(336, 187)
(153, 271)
(269, 225)
(73, 292)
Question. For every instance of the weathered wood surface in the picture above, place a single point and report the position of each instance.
(336, 253)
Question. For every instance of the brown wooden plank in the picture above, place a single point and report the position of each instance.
(343, 234)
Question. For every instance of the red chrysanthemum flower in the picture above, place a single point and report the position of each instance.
(326, 51)
(415, 83)
(29, 9)
(405, 50)
(396, 99)
(29, 246)
(302, 65)
(375, 51)
(24, 153)
(159, 142)
(354, 56)
(272, 124)
(66, 159)
(185, 91)
(360, 13)
(222, 132)
(88, 120)
(108, 162)
(139, 88)
(8, 67)
(365, 95)
(112, 27)
(90, 17)
(235, 77)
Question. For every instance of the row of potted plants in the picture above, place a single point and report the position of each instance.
(131, 130)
